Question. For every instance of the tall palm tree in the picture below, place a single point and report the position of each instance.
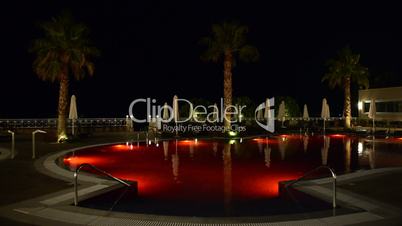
(228, 42)
(65, 51)
(342, 71)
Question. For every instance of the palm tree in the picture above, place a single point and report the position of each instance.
(228, 41)
(342, 71)
(63, 52)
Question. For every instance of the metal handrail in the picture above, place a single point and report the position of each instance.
(333, 174)
(96, 169)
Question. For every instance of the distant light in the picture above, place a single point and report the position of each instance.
(232, 141)
(157, 144)
(232, 133)
(127, 143)
(241, 140)
(337, 135)
(360, 148)
(360, 105)
(119, 147)
(195, 140)
(149, 142)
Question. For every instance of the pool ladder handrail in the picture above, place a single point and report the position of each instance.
(333, 175)
(77, 171)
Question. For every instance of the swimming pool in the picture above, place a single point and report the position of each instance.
(229, 177)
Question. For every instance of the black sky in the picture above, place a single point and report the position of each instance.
(150, 49)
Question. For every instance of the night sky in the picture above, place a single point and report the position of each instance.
(151, 49)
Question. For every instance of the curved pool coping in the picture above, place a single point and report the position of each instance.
(54, 170)
(59, 208)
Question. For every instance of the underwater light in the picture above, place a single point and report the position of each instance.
(337, 135)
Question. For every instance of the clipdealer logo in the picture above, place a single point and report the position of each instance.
(211, 114)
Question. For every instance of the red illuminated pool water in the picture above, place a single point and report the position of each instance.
(208, 172)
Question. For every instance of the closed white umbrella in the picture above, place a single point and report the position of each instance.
(165, 114)
(372, 112)
(73, 115)
(305, 113)
(325, 111)
(129, 123)
(281, 112)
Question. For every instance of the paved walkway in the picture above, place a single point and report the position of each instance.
(4, 153)
(20, 179)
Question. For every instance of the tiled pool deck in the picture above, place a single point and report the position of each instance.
(30, 195)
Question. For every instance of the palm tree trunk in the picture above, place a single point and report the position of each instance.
(348, 104)
(227, 86)
(62, 109)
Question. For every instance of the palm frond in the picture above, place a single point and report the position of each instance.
(346, 64)
(65, 45)
(228, 37)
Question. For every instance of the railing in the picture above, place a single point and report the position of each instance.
(77, 171)
(101, 122)
(314, 170)
(52, 123)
